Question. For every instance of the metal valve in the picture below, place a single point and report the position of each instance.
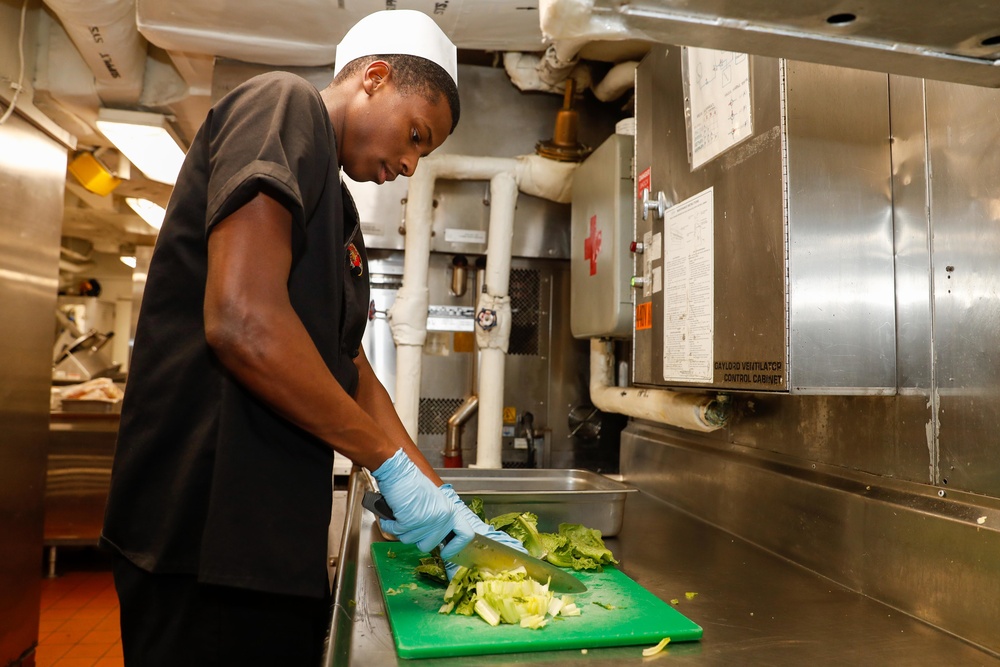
(659, 206)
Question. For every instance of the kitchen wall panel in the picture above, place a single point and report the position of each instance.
(963, 137)
(32, 178)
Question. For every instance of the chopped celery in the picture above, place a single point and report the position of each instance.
(570, 610)
(555, 605)
(535, 622)
(487, 613)
(509, 597)
(653, 650)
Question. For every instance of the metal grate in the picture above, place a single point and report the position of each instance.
(525, 307)
(434, 414)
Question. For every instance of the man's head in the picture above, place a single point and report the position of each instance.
(413, 75)
(400, 72)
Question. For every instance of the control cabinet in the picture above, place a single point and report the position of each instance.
(764, 213)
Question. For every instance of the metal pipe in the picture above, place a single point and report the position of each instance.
(453, 437)
(693, 411)
(459, 275)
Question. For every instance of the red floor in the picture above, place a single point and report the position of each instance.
(79, 621)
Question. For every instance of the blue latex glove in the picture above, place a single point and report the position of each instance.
(478, 525)
(424, 516)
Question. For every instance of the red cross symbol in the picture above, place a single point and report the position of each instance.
(592, 245)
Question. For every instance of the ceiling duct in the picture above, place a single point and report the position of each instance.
(306, 32)
(105, 34)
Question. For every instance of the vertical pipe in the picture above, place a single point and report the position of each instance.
(503, 195)
(410, 307)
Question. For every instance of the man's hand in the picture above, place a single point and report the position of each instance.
(424, 516)
(478, 525)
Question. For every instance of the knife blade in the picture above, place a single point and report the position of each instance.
(491, 555)
(487, 554)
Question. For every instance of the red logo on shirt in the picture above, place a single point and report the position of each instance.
(354, 260)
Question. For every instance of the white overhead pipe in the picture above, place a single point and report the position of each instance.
(105, 34)
(619, 78)
(408, 316)
(574, 22)
(692, 411)
(533, 72)
(569, 25)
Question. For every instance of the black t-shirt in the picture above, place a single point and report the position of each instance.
(206, 478)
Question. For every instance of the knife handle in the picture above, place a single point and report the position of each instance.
(375, 502)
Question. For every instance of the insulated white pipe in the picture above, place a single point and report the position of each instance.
(570, 23)
(495, 300)
(408, 315)
(530, 71)
(105, 34)
(619, 78)
(694, 411)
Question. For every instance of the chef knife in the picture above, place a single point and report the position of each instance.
(491, 555)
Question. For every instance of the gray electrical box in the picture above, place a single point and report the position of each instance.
(602, 231)
(766, 216)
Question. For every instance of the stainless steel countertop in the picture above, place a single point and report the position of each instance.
(755, 608)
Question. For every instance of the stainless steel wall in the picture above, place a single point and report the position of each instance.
(897, 497)
(32, 178)
(963, 138)
(893, 235)
(941, 428)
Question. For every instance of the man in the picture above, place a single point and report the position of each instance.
(248, 370)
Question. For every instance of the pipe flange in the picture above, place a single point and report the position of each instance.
(486, 319)
(572, 153)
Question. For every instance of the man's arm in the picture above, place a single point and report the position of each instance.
(255, 333)
(374, 399)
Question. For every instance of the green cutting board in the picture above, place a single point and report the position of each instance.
(638, 617)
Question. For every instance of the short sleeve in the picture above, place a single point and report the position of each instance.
(272, 135)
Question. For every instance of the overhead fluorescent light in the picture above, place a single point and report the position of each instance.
(146, 139)
(149, 211)
(126, 253)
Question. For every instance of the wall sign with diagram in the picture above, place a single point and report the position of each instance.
(717, 100)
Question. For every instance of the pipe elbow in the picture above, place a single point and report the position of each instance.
(718, 411)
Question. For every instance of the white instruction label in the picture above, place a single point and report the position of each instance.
(689, 289)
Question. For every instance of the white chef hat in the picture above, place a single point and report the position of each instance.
(398, 32)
